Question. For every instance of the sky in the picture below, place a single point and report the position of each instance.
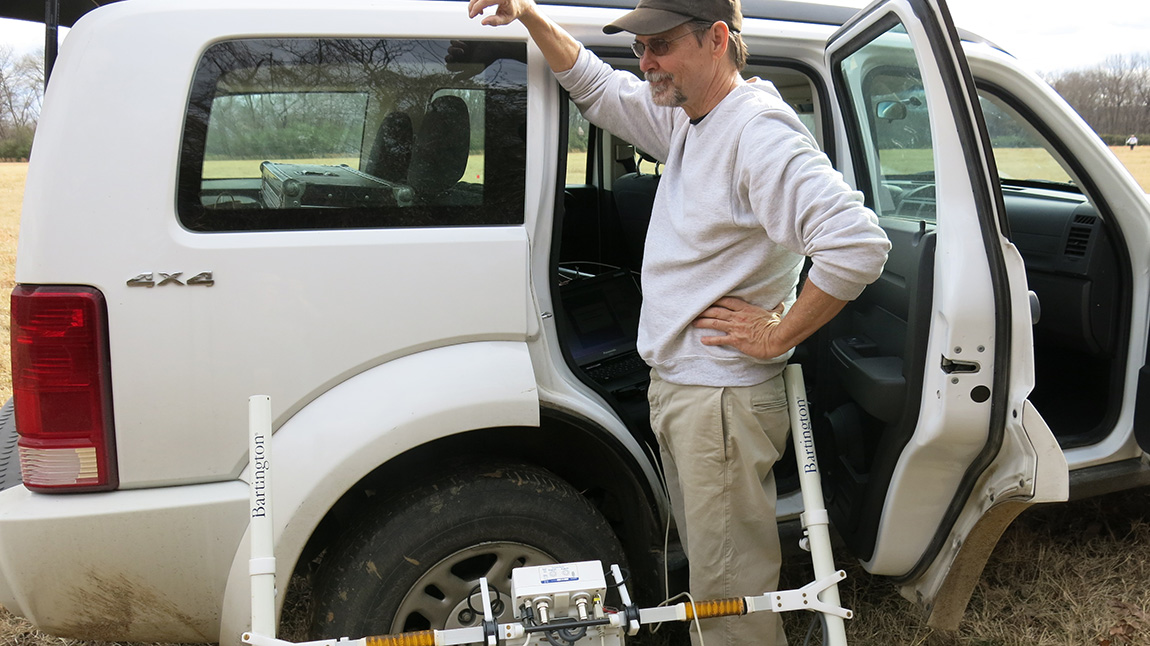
(1046, 35)
(1058, 35)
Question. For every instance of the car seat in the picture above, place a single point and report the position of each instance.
(390, 153)
(634, 195)
(440, 150)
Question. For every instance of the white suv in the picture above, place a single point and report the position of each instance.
(390, 220)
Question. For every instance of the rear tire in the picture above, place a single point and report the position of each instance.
(415, 564)
(9, 456)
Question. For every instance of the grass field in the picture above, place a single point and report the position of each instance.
(237, 168)
(1075, 574)
(11, 194)
(1137, 161)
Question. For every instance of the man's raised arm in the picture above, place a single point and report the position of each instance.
(559, 47)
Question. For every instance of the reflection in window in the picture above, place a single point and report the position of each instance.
(350, 133)
(299, 127)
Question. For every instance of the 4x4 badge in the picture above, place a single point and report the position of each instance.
(203, 278)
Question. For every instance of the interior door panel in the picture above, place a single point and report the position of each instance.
(877, 351)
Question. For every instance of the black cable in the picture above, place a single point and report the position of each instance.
(811, 629)
(609, 577)
(498, 599)
(567, 636)
(572, 637)
(568, 622)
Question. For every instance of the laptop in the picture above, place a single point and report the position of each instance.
(602, 316)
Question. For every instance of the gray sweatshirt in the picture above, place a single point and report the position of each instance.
(745, 195)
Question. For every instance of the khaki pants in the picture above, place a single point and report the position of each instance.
(718, 447)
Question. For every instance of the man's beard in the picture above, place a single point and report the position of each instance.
(663, 90)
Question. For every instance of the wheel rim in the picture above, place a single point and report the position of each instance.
(439, 599)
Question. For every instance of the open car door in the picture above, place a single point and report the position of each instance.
(937, 448)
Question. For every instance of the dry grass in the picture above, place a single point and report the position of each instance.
(1072, 574)
(11, 195)
(1029, 163)
(1067, 574)
(1137, 161)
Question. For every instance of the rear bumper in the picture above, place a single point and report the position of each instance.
(146, 565)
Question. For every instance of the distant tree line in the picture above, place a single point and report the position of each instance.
(1113, 97)
(21, 90)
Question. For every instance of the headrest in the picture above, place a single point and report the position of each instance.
(439, 154)
(391, 150)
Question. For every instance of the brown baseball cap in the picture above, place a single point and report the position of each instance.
(658, 16)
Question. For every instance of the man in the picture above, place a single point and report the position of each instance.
(745, 194)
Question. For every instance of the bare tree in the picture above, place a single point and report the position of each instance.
(1113, 97)
(1141, 103)
(1119, 77)
(21, 93)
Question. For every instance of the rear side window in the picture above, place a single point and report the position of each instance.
(289, 134)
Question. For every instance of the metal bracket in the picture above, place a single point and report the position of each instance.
(807, 597)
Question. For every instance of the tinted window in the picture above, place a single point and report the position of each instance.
(288, 134)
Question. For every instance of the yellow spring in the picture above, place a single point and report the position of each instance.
(421, 638)
(716, 608)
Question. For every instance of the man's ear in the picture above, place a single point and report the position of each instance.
(720, 39)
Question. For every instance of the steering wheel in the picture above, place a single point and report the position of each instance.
(914, 202)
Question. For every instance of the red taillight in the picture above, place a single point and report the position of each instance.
(62, 386)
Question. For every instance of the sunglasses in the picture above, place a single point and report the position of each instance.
(658, 46)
